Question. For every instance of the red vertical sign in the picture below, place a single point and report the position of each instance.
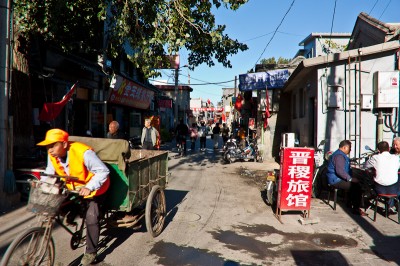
(295, 182)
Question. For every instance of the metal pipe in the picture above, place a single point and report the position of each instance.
(359, 102)
(5, 6)
(176, 97)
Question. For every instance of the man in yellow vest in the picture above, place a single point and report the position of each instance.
(79, 160)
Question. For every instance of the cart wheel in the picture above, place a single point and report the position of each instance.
(155, 211)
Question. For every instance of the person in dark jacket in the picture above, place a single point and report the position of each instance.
(339, 175)
(114, 132)
(181, 131)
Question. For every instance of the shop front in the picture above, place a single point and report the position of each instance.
(128, 103)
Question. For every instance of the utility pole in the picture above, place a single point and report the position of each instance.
(176, 97)
(5, 10)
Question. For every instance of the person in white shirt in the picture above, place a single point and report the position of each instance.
(386, 166)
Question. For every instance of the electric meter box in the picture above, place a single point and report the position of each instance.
(386, 89)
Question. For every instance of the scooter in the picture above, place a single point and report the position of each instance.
(230, 144)
(250, 152)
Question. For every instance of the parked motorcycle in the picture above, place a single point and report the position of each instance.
(231, 143)
(250, 152)
(135, 143)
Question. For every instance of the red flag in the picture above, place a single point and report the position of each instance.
(51, 110)
(267, 114)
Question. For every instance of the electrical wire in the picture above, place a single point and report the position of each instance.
(199, 84)
(373, 7)
(260, 36)
(384, 9)
(265, 48)
(333, 19)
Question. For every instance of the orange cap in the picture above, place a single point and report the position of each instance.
(54, 135)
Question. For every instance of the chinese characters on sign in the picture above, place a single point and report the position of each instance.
(129, 93)
(295, 183)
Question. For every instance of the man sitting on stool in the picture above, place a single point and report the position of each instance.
(386, 166)
(339, 175)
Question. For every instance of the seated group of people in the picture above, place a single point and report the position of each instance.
(385, 165)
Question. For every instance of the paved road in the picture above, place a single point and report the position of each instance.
(216, 216)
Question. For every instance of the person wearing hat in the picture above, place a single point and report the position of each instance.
(79, 160)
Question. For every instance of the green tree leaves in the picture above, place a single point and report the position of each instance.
(151, 29)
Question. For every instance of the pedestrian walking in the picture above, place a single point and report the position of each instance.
(225, 133)
(203, 135)
(216, 131)
(193, 136)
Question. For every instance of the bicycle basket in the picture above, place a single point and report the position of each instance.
(45, 198)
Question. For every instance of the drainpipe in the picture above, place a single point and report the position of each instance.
(5, 6)
(379, 134)
(359, 100)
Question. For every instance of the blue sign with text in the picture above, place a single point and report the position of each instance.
(273, 79)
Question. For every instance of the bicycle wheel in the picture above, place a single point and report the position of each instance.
(30, 248)
(155, 211)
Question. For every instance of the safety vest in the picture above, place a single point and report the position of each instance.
(78, 169)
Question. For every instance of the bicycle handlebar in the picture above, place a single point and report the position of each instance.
(67, 178)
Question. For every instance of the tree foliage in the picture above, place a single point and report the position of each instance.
(272, 60)
(146, 30)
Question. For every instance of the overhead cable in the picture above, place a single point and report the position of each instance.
(275, 31)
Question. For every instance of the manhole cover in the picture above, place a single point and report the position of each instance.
(186, 217)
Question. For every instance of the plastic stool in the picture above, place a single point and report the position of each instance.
(385, 198)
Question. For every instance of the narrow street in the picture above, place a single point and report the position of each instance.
(216, 216)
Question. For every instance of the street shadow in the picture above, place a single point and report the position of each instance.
(318, 257)
(384, 246)
(173, 199)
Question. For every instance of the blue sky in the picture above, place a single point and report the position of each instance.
(255, 23)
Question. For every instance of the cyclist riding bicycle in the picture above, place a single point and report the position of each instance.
(76, 159)
(181, 132)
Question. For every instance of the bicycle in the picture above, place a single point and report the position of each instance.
(35, 246)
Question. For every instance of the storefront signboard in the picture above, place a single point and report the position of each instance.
(129, 93)
(295, 180)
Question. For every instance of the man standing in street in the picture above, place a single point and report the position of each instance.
(149, 135)
(79, 160)
(386, 166)
(339, 176)
(114, 132)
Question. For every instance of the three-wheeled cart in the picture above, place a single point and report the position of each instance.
(138, 179)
